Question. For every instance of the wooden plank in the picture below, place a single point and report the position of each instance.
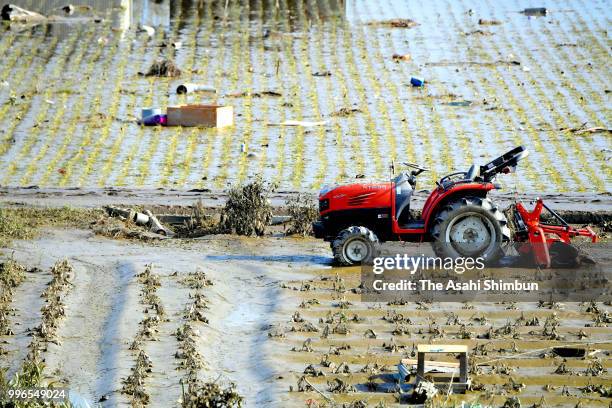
(442, 348)
(412, 362)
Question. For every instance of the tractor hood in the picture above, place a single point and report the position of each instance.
(351, 196)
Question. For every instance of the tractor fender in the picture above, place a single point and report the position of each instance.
(439, 197)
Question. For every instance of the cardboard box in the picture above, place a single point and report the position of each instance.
(201, 115)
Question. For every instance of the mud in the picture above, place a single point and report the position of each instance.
(269, 314)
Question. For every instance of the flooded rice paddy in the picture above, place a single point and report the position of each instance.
(70, 93)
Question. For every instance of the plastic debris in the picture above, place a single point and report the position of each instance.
(401, 57)
(189, 88)
(482, 21)
(11, 12)
(535, 11)
(414, 81)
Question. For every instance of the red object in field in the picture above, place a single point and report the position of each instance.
(458, 214)
(542, 237)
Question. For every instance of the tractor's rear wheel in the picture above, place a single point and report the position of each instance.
(354, 245)
(471, 227)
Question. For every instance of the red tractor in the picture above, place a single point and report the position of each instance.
(458, 217)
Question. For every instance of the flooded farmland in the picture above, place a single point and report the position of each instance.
(71, 92)
(145, 262)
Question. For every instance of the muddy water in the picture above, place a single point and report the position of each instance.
(91, 138)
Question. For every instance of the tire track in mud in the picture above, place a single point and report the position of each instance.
(243, 327)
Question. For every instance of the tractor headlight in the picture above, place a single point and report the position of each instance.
(323, 205)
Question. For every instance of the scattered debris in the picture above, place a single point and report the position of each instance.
(569, 351)
(584, 129)
(417, 82)
(396, 23)
(485, 64)
(164, 68)
(512, 402)
(190, 88)
(459, 103)
(11, 12)
(401, 57)
(344, 112)
(143, 28)
(479, 32)
(338, 386)
(146, 219)
(260, 94)
(535, 12)
(482, 21)
(147, 113)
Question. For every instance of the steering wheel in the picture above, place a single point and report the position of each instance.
(416, 166)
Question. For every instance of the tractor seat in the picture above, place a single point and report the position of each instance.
(472, 173)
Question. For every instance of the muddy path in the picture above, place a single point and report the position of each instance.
(104, 311)
(274, 307)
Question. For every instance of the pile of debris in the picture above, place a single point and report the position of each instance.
(248, 209)
(303, 213)
(163, 68)
(136, 225)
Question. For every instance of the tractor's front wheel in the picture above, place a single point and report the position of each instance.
(470, 227)
(353, 245)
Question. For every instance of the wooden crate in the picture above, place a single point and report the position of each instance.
(201, 115)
